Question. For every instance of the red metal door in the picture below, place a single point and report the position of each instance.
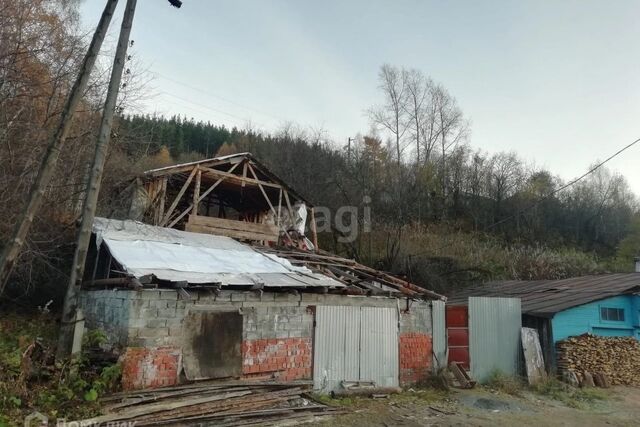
(458, 334)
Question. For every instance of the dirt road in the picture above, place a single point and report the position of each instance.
(482, 407)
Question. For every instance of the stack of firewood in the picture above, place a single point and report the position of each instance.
(602, 361)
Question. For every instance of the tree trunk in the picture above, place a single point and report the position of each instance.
(47, 167)
(93, 186)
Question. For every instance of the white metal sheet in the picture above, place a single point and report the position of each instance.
(439, 335)
(379, 346)
(176, 255)
(494, 336)
(355, 344)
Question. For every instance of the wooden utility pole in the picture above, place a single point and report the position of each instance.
(45, 173)
(93, 185)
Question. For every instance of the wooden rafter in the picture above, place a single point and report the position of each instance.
(240, 179)
(264, 193)
(203, 195)
(196, 192)
(166, 216)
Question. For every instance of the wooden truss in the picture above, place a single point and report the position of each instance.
(257, 231)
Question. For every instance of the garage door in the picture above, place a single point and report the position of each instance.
(355, 344)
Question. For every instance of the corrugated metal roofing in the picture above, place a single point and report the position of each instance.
(546, 297)
(174, 255)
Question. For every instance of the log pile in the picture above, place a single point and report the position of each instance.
(238, 403)
(601, 360)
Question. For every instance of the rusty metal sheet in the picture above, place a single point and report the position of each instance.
(212, 344)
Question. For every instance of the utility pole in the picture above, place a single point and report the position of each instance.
(47, 167)
(93, 185)
(349, 148)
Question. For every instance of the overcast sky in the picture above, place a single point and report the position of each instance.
(558, 82)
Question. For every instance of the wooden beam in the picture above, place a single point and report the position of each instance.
(244, 172)
(187, 167)
(166, 216)
(268, 201)
(163, 197)
(291, 214)
(264, 193)
(196, 193)
(202, 196)
(279, 208)
(314, 233)
(240, 179)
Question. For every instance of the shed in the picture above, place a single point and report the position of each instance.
(181, 306)
(606, 305)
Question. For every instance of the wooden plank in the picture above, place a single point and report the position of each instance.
(236, 234)
(314, 232)
(163, 199)
(533, 358)
(202, 196)
(166, 217)
(196, 193)
(241, 179)
(233, 224)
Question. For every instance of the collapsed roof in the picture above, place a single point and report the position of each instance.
(158, 256)
(544, 298)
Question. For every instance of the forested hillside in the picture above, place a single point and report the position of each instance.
(443, 212)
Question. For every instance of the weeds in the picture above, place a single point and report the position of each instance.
(570, 396)
(31, 379)
(505, 383)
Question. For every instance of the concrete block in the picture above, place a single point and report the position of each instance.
(168, 294)
(167, 312)
(175, 331)
(174, 321)
(251, 335)
(282, 297)
(152, 332)
(238, 296)
(154, 323)
(281, 334)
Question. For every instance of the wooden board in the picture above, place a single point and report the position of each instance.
(232, 228)
(533, 358)
(212, 345)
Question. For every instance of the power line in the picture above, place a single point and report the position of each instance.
(200, 90)
(243, 119)
(546, 197)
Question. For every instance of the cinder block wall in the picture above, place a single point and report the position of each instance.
(277, 331)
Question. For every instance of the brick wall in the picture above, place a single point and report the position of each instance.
(277, 331)
(415, 357)
(415, 346)
(148, 367)
(284, 359)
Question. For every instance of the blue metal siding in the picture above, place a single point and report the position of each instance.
(586, 318)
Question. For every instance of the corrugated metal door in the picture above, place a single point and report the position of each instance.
(494, 336)
(355, 344)
(379, 346)
(439, 335)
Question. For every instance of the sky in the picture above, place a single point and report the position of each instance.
(557, 82)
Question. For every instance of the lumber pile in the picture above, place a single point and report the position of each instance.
(601, 360)
(238, 403)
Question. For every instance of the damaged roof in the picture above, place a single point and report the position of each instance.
(544, 298)
(262, 171)
(144, 251)
(178, 256)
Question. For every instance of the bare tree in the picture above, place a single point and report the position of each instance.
(392, 115)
